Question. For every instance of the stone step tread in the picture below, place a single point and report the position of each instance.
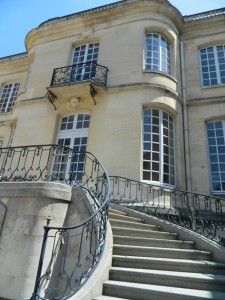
(163, 249)
(116, 216)
(133, 230)
(117, 211)
(202, 263)
(106, 298)
(175, 275)
(136, 224)
(131, 288)
(169, 264)
(161, 252)
(134, 238)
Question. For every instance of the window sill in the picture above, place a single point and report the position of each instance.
(160, 73)
(218, 194)
(158, 185)
(213, 86)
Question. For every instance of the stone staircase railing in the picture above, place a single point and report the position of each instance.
(69, 255)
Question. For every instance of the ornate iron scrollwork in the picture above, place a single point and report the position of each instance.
(52, 98)
(93, 93)
(200, 213)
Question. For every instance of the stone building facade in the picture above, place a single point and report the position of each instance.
(133, 82)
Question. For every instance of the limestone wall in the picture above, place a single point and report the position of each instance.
(28, 207)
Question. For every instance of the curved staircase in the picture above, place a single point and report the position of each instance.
(149, 264)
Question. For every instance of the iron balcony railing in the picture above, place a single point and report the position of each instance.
(69, 255)
(203, 214)
(89, 71)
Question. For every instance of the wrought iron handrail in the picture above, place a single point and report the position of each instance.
(203, 214)
(89, 71)
(69, 254)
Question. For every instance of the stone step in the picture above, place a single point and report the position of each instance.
(169, 264)
(107, 298)
(138, 291)
(118, 212)
(143, 233)
(151, 242)
(161, 252)
(116, 216)
(170, 278)
(133, 225)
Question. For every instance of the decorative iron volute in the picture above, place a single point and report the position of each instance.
(52, 98)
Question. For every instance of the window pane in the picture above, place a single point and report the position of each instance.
(8, 96)
(157, 53)
(216, 144)
(213, 65)
(159, 141)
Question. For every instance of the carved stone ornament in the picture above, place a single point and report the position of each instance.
(87, 32)
(74, 103)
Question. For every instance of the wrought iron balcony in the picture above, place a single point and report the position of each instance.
(78, 80)
(89, 71)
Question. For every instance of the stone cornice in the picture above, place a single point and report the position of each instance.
(72, 25)
(14, 61)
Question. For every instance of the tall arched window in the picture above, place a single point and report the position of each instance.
(216, 145)
(157, 53)
(72, 133)
(158, 147)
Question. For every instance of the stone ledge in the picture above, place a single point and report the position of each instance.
(36, 189)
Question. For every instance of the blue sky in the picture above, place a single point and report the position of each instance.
(18, 17)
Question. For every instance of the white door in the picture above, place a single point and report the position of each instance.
(84, 61)
(72, 133)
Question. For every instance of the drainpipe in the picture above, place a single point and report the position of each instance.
(185, 121)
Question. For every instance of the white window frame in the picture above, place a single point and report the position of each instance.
(8, 99)
(216, 158)
(172, 176)
(216, 65)
(84, 68)
(160, 53)
(71, 134)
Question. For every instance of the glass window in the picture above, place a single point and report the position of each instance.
(73, 133)
(157, 53)
(8, 96)
(212, 65)
(216, 147)
(158, 147)
(84, 62)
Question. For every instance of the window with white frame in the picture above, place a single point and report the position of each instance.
(157, 53)
(212, 61)
(84, 61)
(158, 147)
(216, 148)
(8, 96)
(72, 133)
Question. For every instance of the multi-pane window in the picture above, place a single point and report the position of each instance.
(73, 133)
(158, 147)
(216, 146)
(84, 61)
(8, 96)
(213, 65)
(157, 53)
